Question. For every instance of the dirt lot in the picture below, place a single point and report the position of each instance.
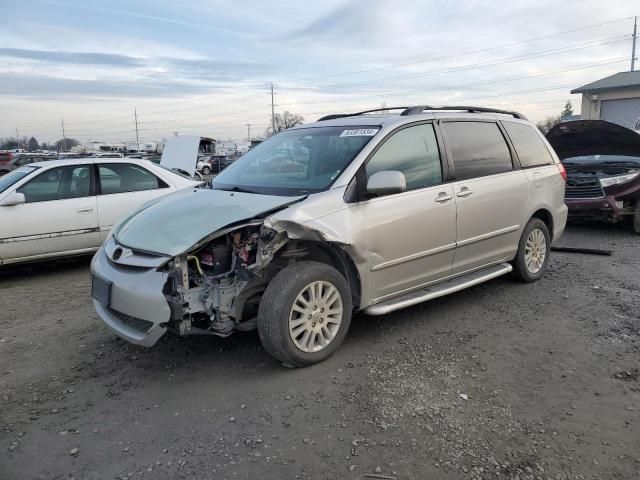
(504, 380)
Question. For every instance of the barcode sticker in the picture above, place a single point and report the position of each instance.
(360, 132)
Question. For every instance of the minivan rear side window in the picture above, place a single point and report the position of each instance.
(530, 148)
(478, 149)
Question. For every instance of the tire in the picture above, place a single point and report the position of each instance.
(522, 270)
(276, 313)
(636, 218)
(206, 170)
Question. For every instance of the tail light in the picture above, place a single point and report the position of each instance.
(563, 171)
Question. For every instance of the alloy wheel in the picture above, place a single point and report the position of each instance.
(535, 251)
(315, 316)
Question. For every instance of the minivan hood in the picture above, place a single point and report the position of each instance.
(176, 222)
(593, 137)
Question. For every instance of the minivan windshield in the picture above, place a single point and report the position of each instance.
(12, 177)
(296, 162)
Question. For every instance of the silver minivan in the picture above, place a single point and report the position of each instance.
(367, 212)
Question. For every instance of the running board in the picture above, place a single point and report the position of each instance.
(439, 290)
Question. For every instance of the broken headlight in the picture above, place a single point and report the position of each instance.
(618, 179)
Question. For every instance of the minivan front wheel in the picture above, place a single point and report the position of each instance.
(533, 251)
(304, 313)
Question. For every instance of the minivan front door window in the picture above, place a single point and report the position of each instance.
(413, 151)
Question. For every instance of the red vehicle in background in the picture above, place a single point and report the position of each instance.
(5, 161)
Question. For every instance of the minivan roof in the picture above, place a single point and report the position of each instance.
(383, 116)
(390, 119)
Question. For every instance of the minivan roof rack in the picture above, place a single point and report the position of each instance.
(416, 110)
(422, 108)
(342, 115)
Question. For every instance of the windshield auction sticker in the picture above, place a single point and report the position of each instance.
(359, 132)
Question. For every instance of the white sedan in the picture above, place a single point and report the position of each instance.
(67, 207)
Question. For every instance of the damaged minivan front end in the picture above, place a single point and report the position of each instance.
(212, 287)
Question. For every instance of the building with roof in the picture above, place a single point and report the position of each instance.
(615, 99)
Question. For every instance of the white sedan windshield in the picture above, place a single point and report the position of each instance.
(13, 177)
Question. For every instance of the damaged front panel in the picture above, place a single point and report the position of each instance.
(216, 287)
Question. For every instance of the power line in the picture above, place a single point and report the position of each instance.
(502, 61)
(64, 138)
(135, 114)
(476, 84)
(468, 52)
(633, 47)
(458, 99)
(273, 115)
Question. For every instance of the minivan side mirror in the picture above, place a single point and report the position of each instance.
(386, 183)
(14, 198)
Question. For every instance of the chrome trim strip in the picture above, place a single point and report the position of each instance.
(38, 236)
(487, 236)
(415, 256)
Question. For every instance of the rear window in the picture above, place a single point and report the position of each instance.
(127, 177)
(530, 148)
(478, 149)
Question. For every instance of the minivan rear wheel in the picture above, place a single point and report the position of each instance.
(533, 251)
(304, 313)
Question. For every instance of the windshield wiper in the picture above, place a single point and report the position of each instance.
(234, 189)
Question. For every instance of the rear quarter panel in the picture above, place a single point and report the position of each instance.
(546, 191)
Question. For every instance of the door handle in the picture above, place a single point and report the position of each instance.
(443, 197)
(84, 210)
(464, 192)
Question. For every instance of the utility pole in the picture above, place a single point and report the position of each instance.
(273, 113)
(633, 47)
(17, 138)
(135, 114)
(249, 132)
(64, 138)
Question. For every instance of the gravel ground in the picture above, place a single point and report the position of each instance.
(504, 380)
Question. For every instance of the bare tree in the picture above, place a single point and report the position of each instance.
(550, 122)
(63, 146)
(8, 143)
(283, 121)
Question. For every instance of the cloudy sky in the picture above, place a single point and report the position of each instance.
(205, 66)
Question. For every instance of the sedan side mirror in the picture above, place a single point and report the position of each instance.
(386, 183)
(14, 198)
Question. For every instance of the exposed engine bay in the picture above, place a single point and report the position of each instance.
(216, 288)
